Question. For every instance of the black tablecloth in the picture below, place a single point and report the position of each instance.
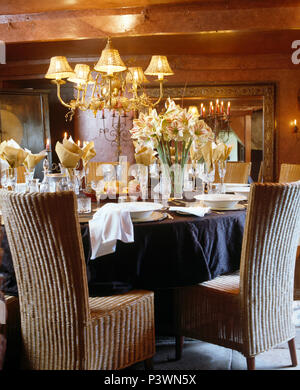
(170, 253)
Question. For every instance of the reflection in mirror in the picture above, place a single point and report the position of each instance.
(250, 130)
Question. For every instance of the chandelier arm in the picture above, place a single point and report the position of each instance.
(95, 85)
(58, 84)
(78, 96)
(84, 94)
(161, 93)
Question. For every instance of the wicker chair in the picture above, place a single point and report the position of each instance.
(62, 328)
(250, 312)
(236, 172)
(289, 173)
(260, 178)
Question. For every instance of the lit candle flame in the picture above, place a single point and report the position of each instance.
(65, 135)
(78, 143)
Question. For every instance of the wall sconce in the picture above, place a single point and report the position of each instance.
(294, 126)
(295, 129)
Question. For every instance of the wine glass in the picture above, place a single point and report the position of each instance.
(222, 172)
(207, 175)
(98, 187)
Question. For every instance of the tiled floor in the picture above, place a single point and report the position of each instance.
(198, 355)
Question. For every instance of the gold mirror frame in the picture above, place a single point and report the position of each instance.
(208, 91)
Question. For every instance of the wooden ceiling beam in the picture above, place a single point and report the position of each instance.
(171, 19)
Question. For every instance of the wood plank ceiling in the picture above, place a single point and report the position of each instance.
(36, 30)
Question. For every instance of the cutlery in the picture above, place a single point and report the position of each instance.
(169, 216)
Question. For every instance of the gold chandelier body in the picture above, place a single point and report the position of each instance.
(115, 87)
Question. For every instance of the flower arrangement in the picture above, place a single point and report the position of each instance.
(170, 133)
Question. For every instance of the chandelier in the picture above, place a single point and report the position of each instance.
(114, 87)
(217, 116)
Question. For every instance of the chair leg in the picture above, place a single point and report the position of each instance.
(148, 364)
(179, 341)
(293, 354)
(251, 363)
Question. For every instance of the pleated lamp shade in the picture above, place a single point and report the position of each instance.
(110, 61)
(82, 74)
(159, 66)
(193, 110)
(59, 68)
(136, 74)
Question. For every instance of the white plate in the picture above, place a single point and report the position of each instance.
(235, 207)
(237, 185)
(238, 189)
(187, 213)
(243, 191)
(154, 216)
(141, 210)
(220, 200)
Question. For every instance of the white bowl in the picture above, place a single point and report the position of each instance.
(243, 191)
(220, 200)
(141, 210)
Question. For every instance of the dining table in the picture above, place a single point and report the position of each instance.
(175, 251)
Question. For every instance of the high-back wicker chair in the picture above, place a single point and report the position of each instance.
(236, 172)
(260, 178)
(289, 173)
(250, 313)
(62, 328)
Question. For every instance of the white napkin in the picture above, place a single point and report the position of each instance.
(199, 211)
(109, 224)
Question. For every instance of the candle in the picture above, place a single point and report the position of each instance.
(228, 108)
(201, 109)
(47, 145)
(222, 107)
(295, 122)
(210, 107)
(78, 143)
(65, 135)
(217, 106)
(203, 112)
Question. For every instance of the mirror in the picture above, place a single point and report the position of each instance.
(251, 128)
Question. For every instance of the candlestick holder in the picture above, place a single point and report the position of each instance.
(218, 122)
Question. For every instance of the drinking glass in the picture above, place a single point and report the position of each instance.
(10, 178)
(29, 174)
(142, 177)
(98, 187)
(34, 185)
(21, 188)
(222, 172)
(83, 204)
(207, 176)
